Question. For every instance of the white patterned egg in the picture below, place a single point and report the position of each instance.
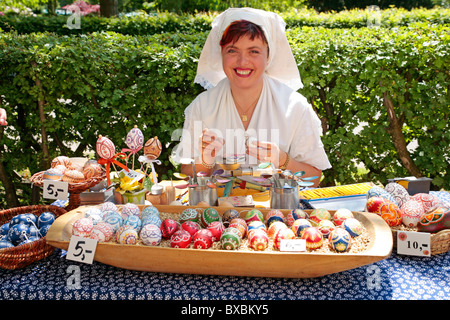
(130, 209)
(102, 232)
(412, 212)
(399, 192)
(135, 139)
(150, 235)
(428, 201)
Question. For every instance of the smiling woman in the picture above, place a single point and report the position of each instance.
(252, 109)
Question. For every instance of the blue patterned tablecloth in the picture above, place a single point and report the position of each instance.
(396, 278)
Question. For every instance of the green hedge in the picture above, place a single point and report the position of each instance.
(106, 83)
(190, 23)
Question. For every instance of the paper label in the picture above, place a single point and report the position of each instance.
(293, 245)
(55, 190)
(414, 243)
(81, 249)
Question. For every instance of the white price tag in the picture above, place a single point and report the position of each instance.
(81, 249)
(55, 190)
(414, 243)
(136, 176)
(293, 245)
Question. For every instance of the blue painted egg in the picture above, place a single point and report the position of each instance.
(340, 240)
(5, 244)
(133, 221)
(43, 231)
(4, 228)
(18, 233)
(115, 220)
(25, 218)
(45, 218)
(152, 219)
(353, 226)
(34, 232)
(150, 235)
(148, 211)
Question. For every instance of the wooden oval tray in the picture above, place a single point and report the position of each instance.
(226, 262)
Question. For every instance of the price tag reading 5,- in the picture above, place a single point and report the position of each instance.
(56, 190)
(414, 243)
(81, 249)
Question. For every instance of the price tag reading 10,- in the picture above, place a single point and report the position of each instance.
(81, 249)
(414, 243)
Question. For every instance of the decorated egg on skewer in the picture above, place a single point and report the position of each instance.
(105, 148)
(152, 148)
(134, 139)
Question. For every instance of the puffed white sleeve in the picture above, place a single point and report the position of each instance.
(306, 145)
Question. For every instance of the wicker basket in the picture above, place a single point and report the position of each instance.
(440, 241)
(75, 189)
(25, 254)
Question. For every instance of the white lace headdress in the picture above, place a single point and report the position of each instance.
(281, 66)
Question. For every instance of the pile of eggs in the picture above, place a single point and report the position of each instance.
(422, 211)
(200, 228)
(25, 228)
(62, 169)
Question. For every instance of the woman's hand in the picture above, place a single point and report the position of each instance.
(266, 152)
(3, 117)
(210, 145)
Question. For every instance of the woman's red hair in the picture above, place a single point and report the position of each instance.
(240, 28)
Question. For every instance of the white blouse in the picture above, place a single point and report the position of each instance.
(282, 116)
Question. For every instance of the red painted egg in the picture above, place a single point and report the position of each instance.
(216, 228)
(105, 148)
(388, 210)
(168, 228)
(202, 239)
(284, 233)
(259, 240)
(313, 237)
(274, 228)
(340, 215)
(180, 239)
(191, 227)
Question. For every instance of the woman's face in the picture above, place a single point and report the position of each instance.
(245, 61)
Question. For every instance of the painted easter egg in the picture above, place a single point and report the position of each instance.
(105, 148)
(202, 239)
(216, 228)
(284, 233)
(61, 160)
(313, 238)
(380, 192)
(127, 235)
(191, 227)
(43, 231)
(412, 212)
(152, 219)
(23, 218)
(230, 239)
(388, 210)
(253, 215)
(259, 240)
(240, 227)
(150, 210)
(108, 206)
(45, 218)
(274, 228)
(52, 174)
(73, 176)
(102, 232)
(134, 139)
(274, 215)
(133, 221)
(427, 200)
(208, 216)
(82, 227)
(353, 226)
(91, 170)
(4, 244)
(114, 219)
(299, 225)
(340, 215)
(180, 239)
(295, 214)
(229, 215)
(256, 225)
(435, 220)
(326, 226)
(150, 235)
(168, 227)
(18, 233)
(400, 194)
(189, 214)
(318, 215)
(152, 148)
(340, 240)
(130, 209)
